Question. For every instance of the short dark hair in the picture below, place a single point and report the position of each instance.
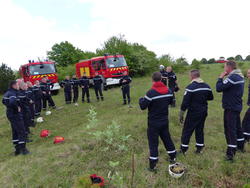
(13, 82)
(156, 77)
(231, 64)
(195, 73)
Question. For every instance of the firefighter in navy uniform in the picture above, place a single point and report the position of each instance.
(24, 104)
(76, 84)
(195, 101)
(15, 116)
(84, 83)
(46, 97)
(163, 72)
(157, 100)
(98, 86)
(31, 97)
(67, 84)
(124, 82)
(172, 83)
(37, 98)
(246, 120)
(232, 88)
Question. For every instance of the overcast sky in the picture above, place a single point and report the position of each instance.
(189, 28)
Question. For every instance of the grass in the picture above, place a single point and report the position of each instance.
(87, 150)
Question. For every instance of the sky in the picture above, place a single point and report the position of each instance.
(189, 28)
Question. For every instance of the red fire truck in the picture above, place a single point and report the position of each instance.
(33, 71)
(110, 67)
(221, 60)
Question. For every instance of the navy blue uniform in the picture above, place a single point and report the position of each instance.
(246, 120)
(45, 87)
(15, 117)
(84, 82)
(172, 84)
(195, 101)
(164, 75)
(98, 87)
(156, 101)
(68, 86)
(124, 82)
(232, 88)
(76, 84)
(37, 99)
(31, 97)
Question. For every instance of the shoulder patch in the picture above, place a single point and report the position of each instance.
(225, 81)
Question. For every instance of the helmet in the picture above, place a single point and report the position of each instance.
(58, 139)
(162, 67)
(44, 133)
(176, 170)
(39, 120)
(47, 113)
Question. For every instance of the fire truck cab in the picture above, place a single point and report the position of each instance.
(110, 67)
(33, 71)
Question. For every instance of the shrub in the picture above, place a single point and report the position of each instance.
(6, 75)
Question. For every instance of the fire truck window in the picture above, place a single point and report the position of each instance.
(96, 65)
(103, 65)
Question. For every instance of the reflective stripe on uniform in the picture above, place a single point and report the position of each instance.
(183, 145)
(158, 97)
(199, 144)
(153, 158)
(232, 146)
(240, 139)
(245, 133)
(172, 151)
(199, 89)
(233, 82)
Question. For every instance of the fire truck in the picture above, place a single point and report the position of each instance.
(33, 71)
(110, 67)
(221, 60)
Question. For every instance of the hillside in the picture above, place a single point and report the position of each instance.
(92, 146)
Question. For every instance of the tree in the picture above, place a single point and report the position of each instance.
(230, 58)
(247, 58)
(211, 61)
(238, 58)
(65, 54)
(6, 75)
(196, 64)
(204, 61)
(166, 60)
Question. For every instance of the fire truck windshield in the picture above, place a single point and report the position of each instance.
(41, 69)
(116, 62)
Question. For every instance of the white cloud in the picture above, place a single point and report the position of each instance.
(194, 28)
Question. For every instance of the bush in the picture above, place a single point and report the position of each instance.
(196, 64)
(6, 75)
(66, 71)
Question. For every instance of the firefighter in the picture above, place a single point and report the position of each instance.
(195, 99)
(124, 82)
(163, 74)
(84, 83)
(31, 97)
(157, 100)
(172, 82)
(76, 84)
(37, 98)
(246, 120)
(232, 88)
(15, 116)
(24, 104)
(98, 86)
(67, 84)
(46, 97)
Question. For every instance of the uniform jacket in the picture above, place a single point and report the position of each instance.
(11, 102)
(125, 84)
(84, 82)
(97, 80)
(196, 96)
(24, 101)
(171, 79)
(67, 85)
(157, 100)
(248, 100)
(76, 83)
(45, 87)
(232, 88)
(37, 92)
(30, 94)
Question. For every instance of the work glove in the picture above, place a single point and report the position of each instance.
(181, 116)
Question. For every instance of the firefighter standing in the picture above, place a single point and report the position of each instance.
(232, 88)
(84, 82)
(246, 120)
(31, 97)
(124, 82)
(172, 82)
(157, 100)
(37, 98)
(67, 84)
(195, 101)
(164, 76)
(98, 86)
(45, 87)
(15, 116)
(76, 84)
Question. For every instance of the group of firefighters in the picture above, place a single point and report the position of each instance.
(24, 102)
(196, 95)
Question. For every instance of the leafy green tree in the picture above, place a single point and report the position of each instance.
(230, 58)
(204, 61)
(247, 58)
(211, 61)
(196, 64)
(6, 75)
(65, 54)
(166, 60)
(238, 58)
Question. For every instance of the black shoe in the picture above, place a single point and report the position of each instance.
(125, 102)
(172, 160)
(29, 140)
(182, 152)
(17, 152)
(102, 99)
(229, 158)
(88, 101)
(198, 151)
(24, 151)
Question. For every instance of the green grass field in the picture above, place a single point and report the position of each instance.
(95, 147)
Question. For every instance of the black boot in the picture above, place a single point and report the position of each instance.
(152, 165)
(17, 151)
(88, 100)
(102, 98)
(24, 150)
(124, 102)
(198, 150)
